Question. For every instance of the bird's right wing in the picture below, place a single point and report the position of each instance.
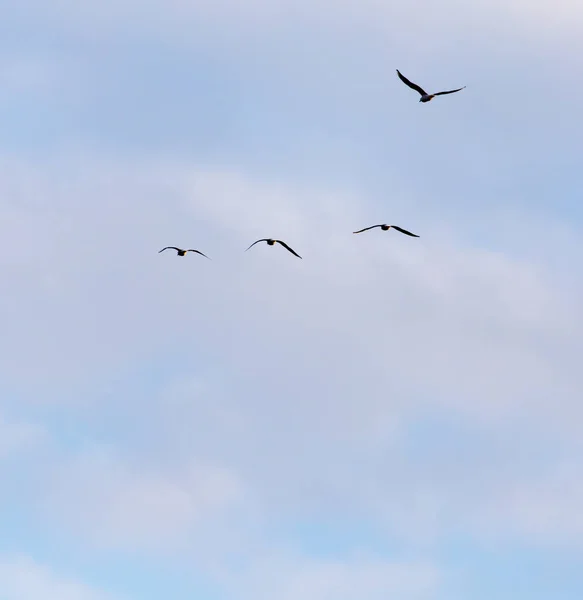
(253, 244)
(450, 91)
(169, 248)
(411, 84)
(367, 228)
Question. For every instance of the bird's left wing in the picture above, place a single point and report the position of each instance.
(288, 248)
(403, 231)
(198, 252)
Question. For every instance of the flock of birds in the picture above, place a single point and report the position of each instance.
(425, 97)
(272, 242)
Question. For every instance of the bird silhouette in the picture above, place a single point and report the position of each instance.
(181, 252)
(271, 242)
(425, 97)
(385, 227)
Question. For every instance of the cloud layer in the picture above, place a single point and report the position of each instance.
(388, 416)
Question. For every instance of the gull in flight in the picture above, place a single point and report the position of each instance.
(425, 97)
(271, 242)
(386, 228)
(181, 252)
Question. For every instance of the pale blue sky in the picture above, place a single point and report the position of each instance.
(387, 418)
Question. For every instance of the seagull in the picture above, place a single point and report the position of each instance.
(386, 228)
(182, 252)
(425, 97)
(271, 242)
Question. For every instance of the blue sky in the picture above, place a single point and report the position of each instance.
(389, 417)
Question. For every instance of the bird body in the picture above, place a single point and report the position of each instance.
(425, 97)
(386, 227)
(181, 252)
(271, 242)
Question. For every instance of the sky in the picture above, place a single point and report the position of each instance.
(389, 417)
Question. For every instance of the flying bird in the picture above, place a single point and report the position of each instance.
(425, 97)
(271, 242)
(181, 252)
(386, 228)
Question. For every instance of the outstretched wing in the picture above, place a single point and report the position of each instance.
(450, 91)
(367, 228)
(288, 248)
(169, 248)
(253, 244)
(198, 252)
(412, 85)
(403, 231)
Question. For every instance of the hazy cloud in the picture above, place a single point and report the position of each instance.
(22, 578)
(398, 330)
(120, 505)
(259, 426)
(287, 578)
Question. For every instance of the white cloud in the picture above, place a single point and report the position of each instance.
(545, 510)
(118, 505)
(25, 74)
(18, 436)
(480, 322)
(424, 25)
(22, 578)
(287, 578)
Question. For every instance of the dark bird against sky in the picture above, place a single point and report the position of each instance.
(386, 228)
(271, 242)
(182, 252)
(425, 97)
